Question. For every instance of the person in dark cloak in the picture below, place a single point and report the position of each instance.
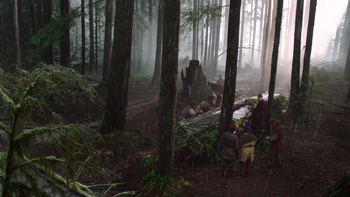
(258, 116)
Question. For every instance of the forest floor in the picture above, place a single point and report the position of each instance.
(313, 159)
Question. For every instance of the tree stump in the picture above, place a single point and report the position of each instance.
(195, 84)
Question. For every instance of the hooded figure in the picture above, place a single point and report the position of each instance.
(259, 115)
(230, 143)
(247, 142)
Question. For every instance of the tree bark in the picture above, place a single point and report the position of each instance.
(168, 92)
(96, 38)
(345, 38)
(156, 73)
(150, 32)
(108, 42)
(274, 60)
(295, 77)
(217, 40)
(65, 42)
(91, 26)
(242, 38)
(307, 57)
(83, 44)
(231, 68)
(15, 15)
(265, 47)
(115, 113)
(48, 18)
(252, 57)
(194, 35)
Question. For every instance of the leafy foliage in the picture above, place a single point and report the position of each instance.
(22, 91)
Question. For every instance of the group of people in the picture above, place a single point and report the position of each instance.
(211, 103)
(242, 148)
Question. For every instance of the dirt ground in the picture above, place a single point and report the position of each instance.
(313, 159)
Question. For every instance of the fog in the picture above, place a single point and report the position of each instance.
(329, 15)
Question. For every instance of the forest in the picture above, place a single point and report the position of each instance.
(96, 97)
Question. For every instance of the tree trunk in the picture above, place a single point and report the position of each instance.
(168, 92)
(274, 60)
(96, 37)
(265, 47)
(262, 21)
(157, 65)
(91, 25)
(252, 57)
(15, 19)
(231, 68)
(83, 61)
(217, 40)
(205, 57)
(150, 32)
(108, 42)
(194, 35)
(115, 114)
(295, 77)
(40, 14)
(65, 42)
(48, 17)
(242, 38)
(345, 38)
(310, 32)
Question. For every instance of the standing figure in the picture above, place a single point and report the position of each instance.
(230, 143)
(274, 158)
(259, 115)
(247, 142)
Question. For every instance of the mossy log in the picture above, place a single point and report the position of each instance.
(339, 189)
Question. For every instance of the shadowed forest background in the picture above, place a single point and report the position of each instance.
(91, 92)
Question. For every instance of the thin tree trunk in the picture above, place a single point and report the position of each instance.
(150, 32)
(156, 74)
(83, 63)
(118, 83)
(96, 36)
(194, 35)
(91, 25)
(262, 21)
(265, 47)
(274, 59)
(295, 78)
(231, 68)
(15, 15)
(217, 40)
(65, 42)
(337, 43)
(344, 44)
(252, 57)
(168, 92)
(40, 14)
(205, 57)
(242, 37)
(48, 13)
(307, 57)
(108, 42)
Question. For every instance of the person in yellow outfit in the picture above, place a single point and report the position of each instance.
(247, 142)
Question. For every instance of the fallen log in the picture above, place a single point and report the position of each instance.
(339, 189)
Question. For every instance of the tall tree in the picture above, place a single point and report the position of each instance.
(231, 67)
(108, 42)
(217, 39)
(48, 17)
(91, 27)
(96, 37)
(265, 45)
(307, 56)
(252, 57)
(242, 37)
(295, 78)
(168, 92)
(274, 59)
(157, 64)
(194, 35)
(344, 44)
(118, 83)
(83, 61)
(65, 42)
(15, 18)
(150, 32)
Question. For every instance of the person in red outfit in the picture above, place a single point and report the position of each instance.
(274, 158)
